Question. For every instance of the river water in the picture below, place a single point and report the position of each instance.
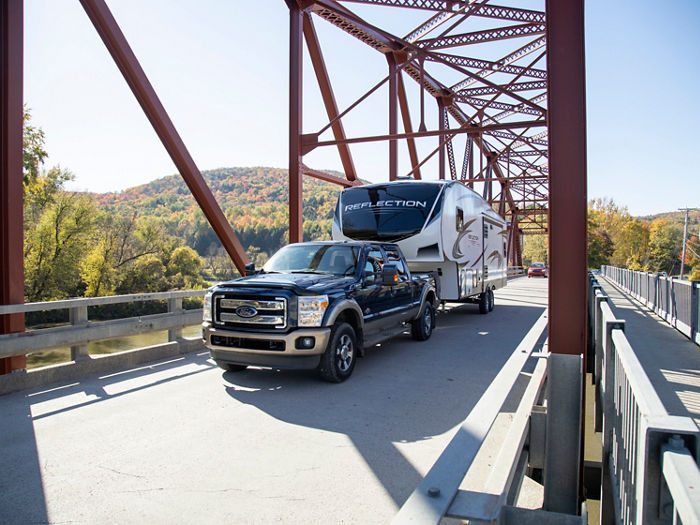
(110, 346)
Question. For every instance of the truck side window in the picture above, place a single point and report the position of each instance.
(460, 219)
(393, 257)
(373, 266)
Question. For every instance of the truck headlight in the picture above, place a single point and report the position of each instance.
(207, 310)
(311, 309)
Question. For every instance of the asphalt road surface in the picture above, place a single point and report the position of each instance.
(181, 441)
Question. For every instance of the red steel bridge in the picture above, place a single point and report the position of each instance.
(503, 79)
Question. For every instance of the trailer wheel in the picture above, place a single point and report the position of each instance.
(422, 328)
(491, 300)
(484, 303)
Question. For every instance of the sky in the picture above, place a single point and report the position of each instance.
(220, 68)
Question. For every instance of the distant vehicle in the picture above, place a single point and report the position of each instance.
(442, 227)
(537, 269)
(317, 305)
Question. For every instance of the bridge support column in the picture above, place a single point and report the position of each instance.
(393, 116)
(563, 435)
(11, 220)
(566, 91)
(296, 24)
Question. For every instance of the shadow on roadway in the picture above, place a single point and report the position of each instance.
(403, 391)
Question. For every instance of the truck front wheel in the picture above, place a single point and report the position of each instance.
(338, 361)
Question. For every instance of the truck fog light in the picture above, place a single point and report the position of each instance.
(305, 343)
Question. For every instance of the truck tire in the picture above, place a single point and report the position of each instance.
(484, 303)
(491, 300)
(338, 361)
(422, 328)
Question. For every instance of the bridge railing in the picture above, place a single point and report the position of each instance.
(439, 494)
(82, 331)
(643, 480)
(514, 271)
(676, 301)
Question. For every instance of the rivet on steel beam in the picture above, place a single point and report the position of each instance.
(433, 492)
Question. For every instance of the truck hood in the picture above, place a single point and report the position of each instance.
(301, 283)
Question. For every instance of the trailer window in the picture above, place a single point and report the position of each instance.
(388, 212)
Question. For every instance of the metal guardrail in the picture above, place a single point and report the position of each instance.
(650, 474)
(439, 494)
(676, 301)
(81, 330)
(514, 271)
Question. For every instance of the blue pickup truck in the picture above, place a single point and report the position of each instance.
(318, 305)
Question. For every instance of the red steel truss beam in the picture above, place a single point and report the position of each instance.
(478, 37)
(520, 86)
(322, 175)
(11, 214)
(324, 84)
(417, 134)
(406, 116)
(485, 64)
(393, 115)
(126, 61)
(487, 11)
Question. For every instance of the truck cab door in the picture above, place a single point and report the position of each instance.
(372, 298)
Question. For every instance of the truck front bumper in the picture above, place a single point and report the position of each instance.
(299, 349)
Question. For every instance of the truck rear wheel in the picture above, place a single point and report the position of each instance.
(338, 361)
(491, 300)
(422, 328)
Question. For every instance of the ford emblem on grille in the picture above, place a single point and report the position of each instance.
(246, 311)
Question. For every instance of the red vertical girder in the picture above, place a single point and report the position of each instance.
(393, 117)
(567, 177)
(406, 116)
(11, 234)
(442, 112)
(296, 231)
(324, 85)
(126, 61)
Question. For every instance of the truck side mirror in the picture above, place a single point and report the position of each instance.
(250, 269)
(390, 275)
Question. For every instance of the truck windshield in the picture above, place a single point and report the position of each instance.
(314, 258)
(386, 213)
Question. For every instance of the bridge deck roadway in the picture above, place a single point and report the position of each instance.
(180, 441)
(670, 359)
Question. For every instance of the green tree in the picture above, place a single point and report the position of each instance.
(33, 152)
(600, 246)
(535, 249)
(665, 245)
(54, 247)
(632, 248)
(146, 274)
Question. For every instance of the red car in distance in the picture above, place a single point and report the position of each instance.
(537, 269)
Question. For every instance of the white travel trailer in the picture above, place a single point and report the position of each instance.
(440, 226)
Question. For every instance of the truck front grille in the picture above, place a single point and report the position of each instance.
(241, 312)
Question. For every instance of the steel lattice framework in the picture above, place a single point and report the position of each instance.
(508, 84)
(495, 112)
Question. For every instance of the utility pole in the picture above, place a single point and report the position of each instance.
(685, 237)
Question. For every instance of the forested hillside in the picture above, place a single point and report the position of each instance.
(254, 201)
